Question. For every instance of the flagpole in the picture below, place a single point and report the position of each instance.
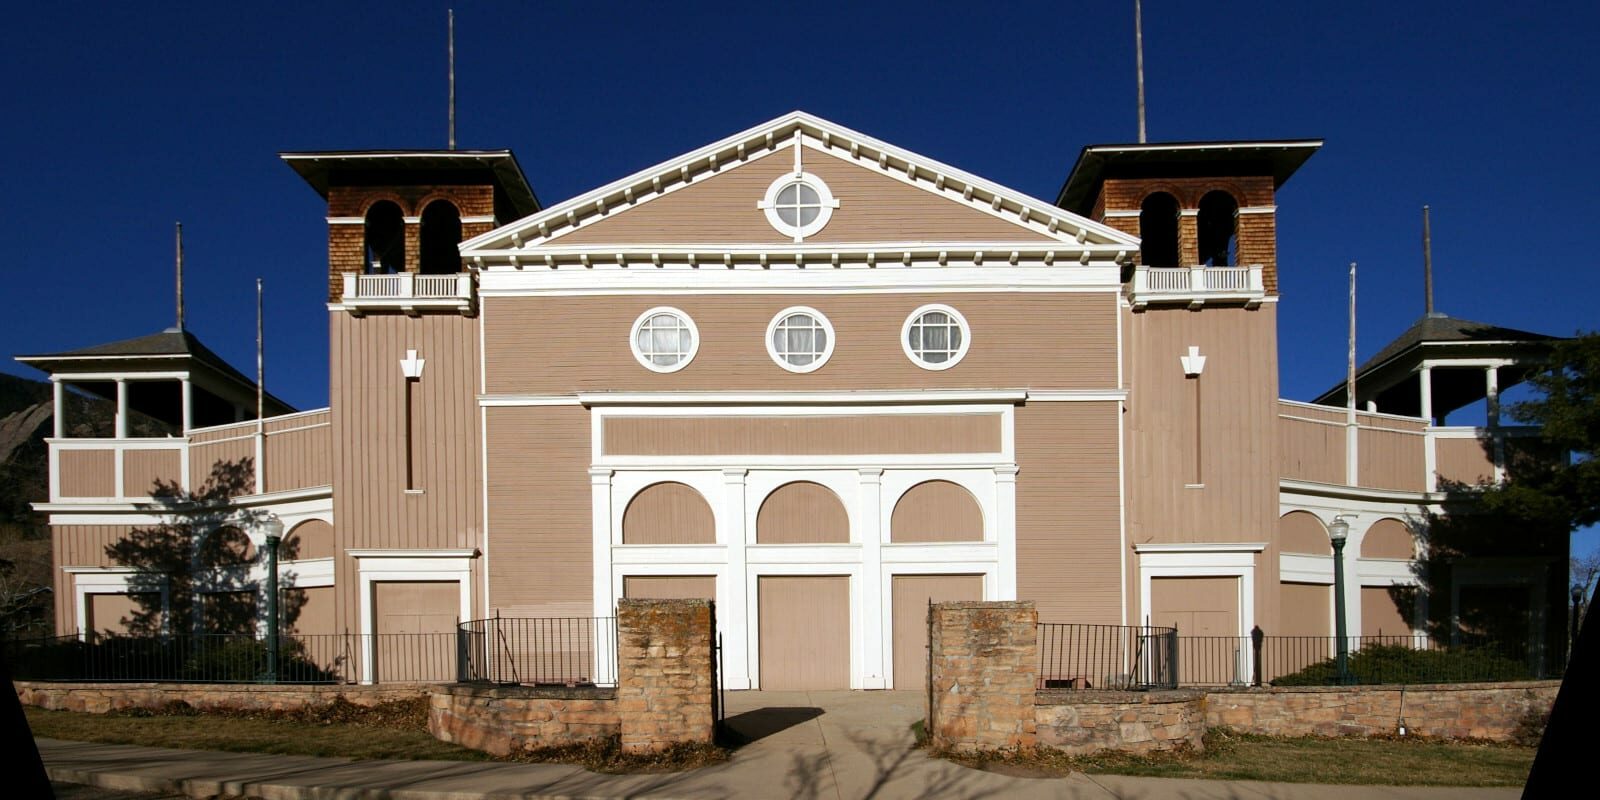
(261, 395)
(1138, 56)
(1351, 472)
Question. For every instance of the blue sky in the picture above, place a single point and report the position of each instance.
(122, 118)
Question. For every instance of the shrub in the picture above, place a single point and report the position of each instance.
(1393, 664)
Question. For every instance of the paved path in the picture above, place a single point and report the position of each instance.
(858, 749)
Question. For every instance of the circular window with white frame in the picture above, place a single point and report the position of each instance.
(935, 337)
(798, 204)
(664, 339)
(800, 339)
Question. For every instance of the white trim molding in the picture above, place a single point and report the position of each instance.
(957, 323)
(382, 565)
(647, 360)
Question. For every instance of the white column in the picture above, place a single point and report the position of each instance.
(188, 406)
(122, 409)
(1427, 394)
(1491, 381)
(869, 531)
(1005, 484)
(600, 532)
(60, 391)
(732, 618)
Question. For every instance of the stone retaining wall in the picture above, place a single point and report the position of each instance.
(1084, 722)
(98, 698)
(1491, 711)
(513, 719)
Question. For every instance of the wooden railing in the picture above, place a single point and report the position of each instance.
(407, 291)
(1196, 285)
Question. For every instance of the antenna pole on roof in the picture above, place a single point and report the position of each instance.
(452, 48)
(1427, 262)
(180, 276)
(1138, 59)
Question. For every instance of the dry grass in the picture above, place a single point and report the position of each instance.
(396, 730)
(1230, 756)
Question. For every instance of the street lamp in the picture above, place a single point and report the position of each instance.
(1339, 531)
(273, 528)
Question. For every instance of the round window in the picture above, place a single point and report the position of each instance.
(935, 337)
(664, 339)
(798, 204)
(800, 339)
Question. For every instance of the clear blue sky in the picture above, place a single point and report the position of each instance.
(121, 118)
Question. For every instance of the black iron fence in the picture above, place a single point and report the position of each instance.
(1313, 660)
(548, 651)
(1107, 657)
(238, 658)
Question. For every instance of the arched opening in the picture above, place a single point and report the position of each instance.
(385, 239)
(802, 513)
(668, 513)
(310, 539)
(1388, 538)
(1158, 230)
(936, 511)
(441, 233)
(1302, 532)
(1218, 225)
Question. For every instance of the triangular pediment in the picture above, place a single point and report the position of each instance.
(712, 196)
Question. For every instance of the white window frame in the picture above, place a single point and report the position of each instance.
(769, 204)
(955, 357)
(822, 322)
(644, 359)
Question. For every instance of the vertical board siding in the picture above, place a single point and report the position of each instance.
(367, 435)
(310, 539)
(1302, 532)
(910, 597)
(144, 470)
(210, 461)
(802, 512)
(88, 473)
(1311, 451)
(298, 458)
(1388, 538)
(1463, 461)
(872, 208)
(805, 632)
(1238, 428)
(78, 546)
(220, 432)
(1068, 513)
(540, 519)
(1307, 607)
(668, 513)
(800, 435)
(1381, 614)
(587, 350)
(937, 511)
(1391, 459)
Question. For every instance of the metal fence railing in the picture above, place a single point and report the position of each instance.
(237, 658)
(1312, 660)
(1107, 657)
(549, 651)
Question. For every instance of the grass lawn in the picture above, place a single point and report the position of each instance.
(250, 735)
(1410, 762)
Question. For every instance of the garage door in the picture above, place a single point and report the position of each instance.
(1206, 613)
(111, 613)
(670, 587)
(912, 593)
(804, 632)
(416, 623)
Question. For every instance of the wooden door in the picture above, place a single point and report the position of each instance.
(912, 593)
(804, 631)
(415, 623)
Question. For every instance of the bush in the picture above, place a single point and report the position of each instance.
(1398, 664)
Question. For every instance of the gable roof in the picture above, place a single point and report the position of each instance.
(1073, 232)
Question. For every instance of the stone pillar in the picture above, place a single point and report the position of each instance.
(984, 670)
(665, 679)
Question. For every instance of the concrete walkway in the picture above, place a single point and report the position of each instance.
(835, 745)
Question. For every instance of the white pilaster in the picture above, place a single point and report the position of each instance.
(600, 532)
(871, 532)
(188, 406)
(732, 621)
(1005, 501)
(1426, 383)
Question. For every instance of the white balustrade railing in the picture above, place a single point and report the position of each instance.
(406, 286)
(1196, 283)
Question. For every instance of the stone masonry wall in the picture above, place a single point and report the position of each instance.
(1448, 711)
(98, 698)
(1085, 722)
(514, 719)
(984, 669)
(665, 679)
